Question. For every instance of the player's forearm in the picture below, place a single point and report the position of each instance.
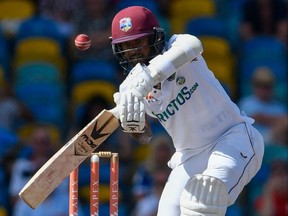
(144, 138)
(184, 49)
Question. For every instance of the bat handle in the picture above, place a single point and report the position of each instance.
(115, 112)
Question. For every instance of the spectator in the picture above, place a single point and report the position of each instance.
(9, 147)
(279, 133)
(148, 205)
(12, 111)
(39, 148)
(274, 198)
(264, 17)
(144, 177)
(56, 204)
(270, 115)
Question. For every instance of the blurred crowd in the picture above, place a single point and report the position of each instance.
(49, 90)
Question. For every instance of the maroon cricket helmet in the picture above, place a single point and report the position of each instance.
(132, 23)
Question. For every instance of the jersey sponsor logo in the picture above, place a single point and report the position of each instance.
(174, 106)
(125, 24)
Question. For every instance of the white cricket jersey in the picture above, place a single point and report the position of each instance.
(194, 108)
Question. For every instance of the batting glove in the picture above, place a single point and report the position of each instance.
(140, 81)
(131, 112)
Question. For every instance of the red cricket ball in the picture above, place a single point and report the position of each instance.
(82, 42)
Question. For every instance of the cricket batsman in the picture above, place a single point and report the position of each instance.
(218, 151)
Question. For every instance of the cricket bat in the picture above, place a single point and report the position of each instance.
(69, 157)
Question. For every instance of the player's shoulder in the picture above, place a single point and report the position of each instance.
(181, 37)
(183, 40)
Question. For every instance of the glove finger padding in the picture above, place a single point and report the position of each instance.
(116, 98)
(131, 113)
(142, 113)
(130, 107)
(142, 85)
(123, 108)
(136, 108)
(140, 81)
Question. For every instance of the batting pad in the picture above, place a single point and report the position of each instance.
(204, 196)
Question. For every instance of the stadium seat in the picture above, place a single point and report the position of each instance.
(141, 153)
(37, 73)
(39, 49)
(207, 26)
(40, 92)
(263, 51)
(226, 75)
(264, 48)
(47, 101)
(275, 152)
(215, 47)
(16, 9)
(3, 211)
(39, 26)
(25, 131)
(220, 59)
(4, 56)
(38, 45)
(57, 61)
(83, 91)
(13, 12)
(51, 113)
(93, 70)
(183, 10)
(150, 4)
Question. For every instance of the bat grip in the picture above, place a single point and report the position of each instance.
(115, 112)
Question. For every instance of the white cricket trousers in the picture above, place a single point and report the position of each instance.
(235, 159)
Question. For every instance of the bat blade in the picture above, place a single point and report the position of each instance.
(70, 156)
